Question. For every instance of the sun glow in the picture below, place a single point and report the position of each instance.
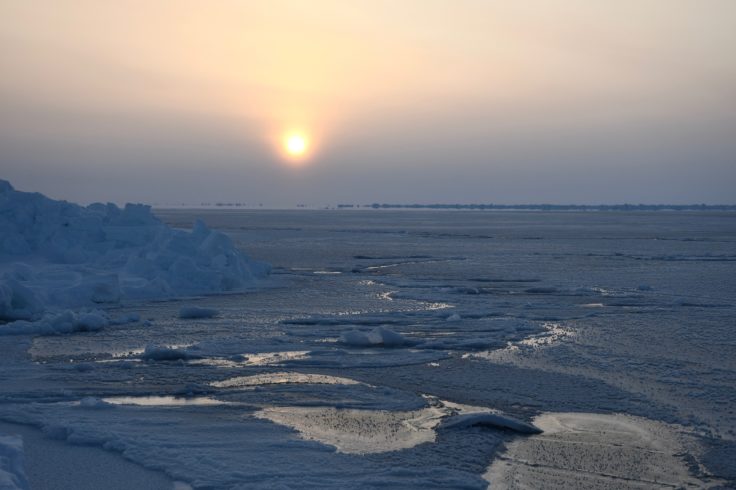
(296, 145)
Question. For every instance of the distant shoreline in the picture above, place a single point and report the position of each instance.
(461, 207)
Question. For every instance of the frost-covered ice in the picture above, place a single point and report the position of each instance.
(416, 350)
(55, 254)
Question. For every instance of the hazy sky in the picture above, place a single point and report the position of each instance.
(560, 101)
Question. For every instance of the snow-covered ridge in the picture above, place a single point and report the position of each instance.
(56, 254)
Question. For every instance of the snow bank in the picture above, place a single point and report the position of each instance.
(379, 336)
(12, 475)
(197, 312)
(55, 254)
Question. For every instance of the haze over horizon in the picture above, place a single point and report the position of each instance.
(559, 101)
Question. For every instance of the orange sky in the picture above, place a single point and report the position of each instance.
(424, 79)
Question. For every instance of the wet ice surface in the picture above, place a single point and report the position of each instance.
(521, 316)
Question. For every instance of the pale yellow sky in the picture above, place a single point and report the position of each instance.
(422, 79)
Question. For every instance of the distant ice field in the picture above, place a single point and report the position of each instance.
(416, 349)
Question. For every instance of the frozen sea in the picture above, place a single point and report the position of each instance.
(406, 349)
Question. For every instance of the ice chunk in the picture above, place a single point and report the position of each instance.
(12, 474)
(492, 420)
(163, 353)
(94, 403)
(17, 302)
(379, 336)
(101, 254)
(91, 321)
(65, 322)
(197, 312)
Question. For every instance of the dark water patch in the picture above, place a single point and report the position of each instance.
(391, 257)
(541, 290)
(687, 258)
(719, 459)
(484, 279)
(466, 236)
(688, 304)
(270, 228)
(376, 231)
(346, 321)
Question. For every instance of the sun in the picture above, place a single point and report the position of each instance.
(296, 144)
